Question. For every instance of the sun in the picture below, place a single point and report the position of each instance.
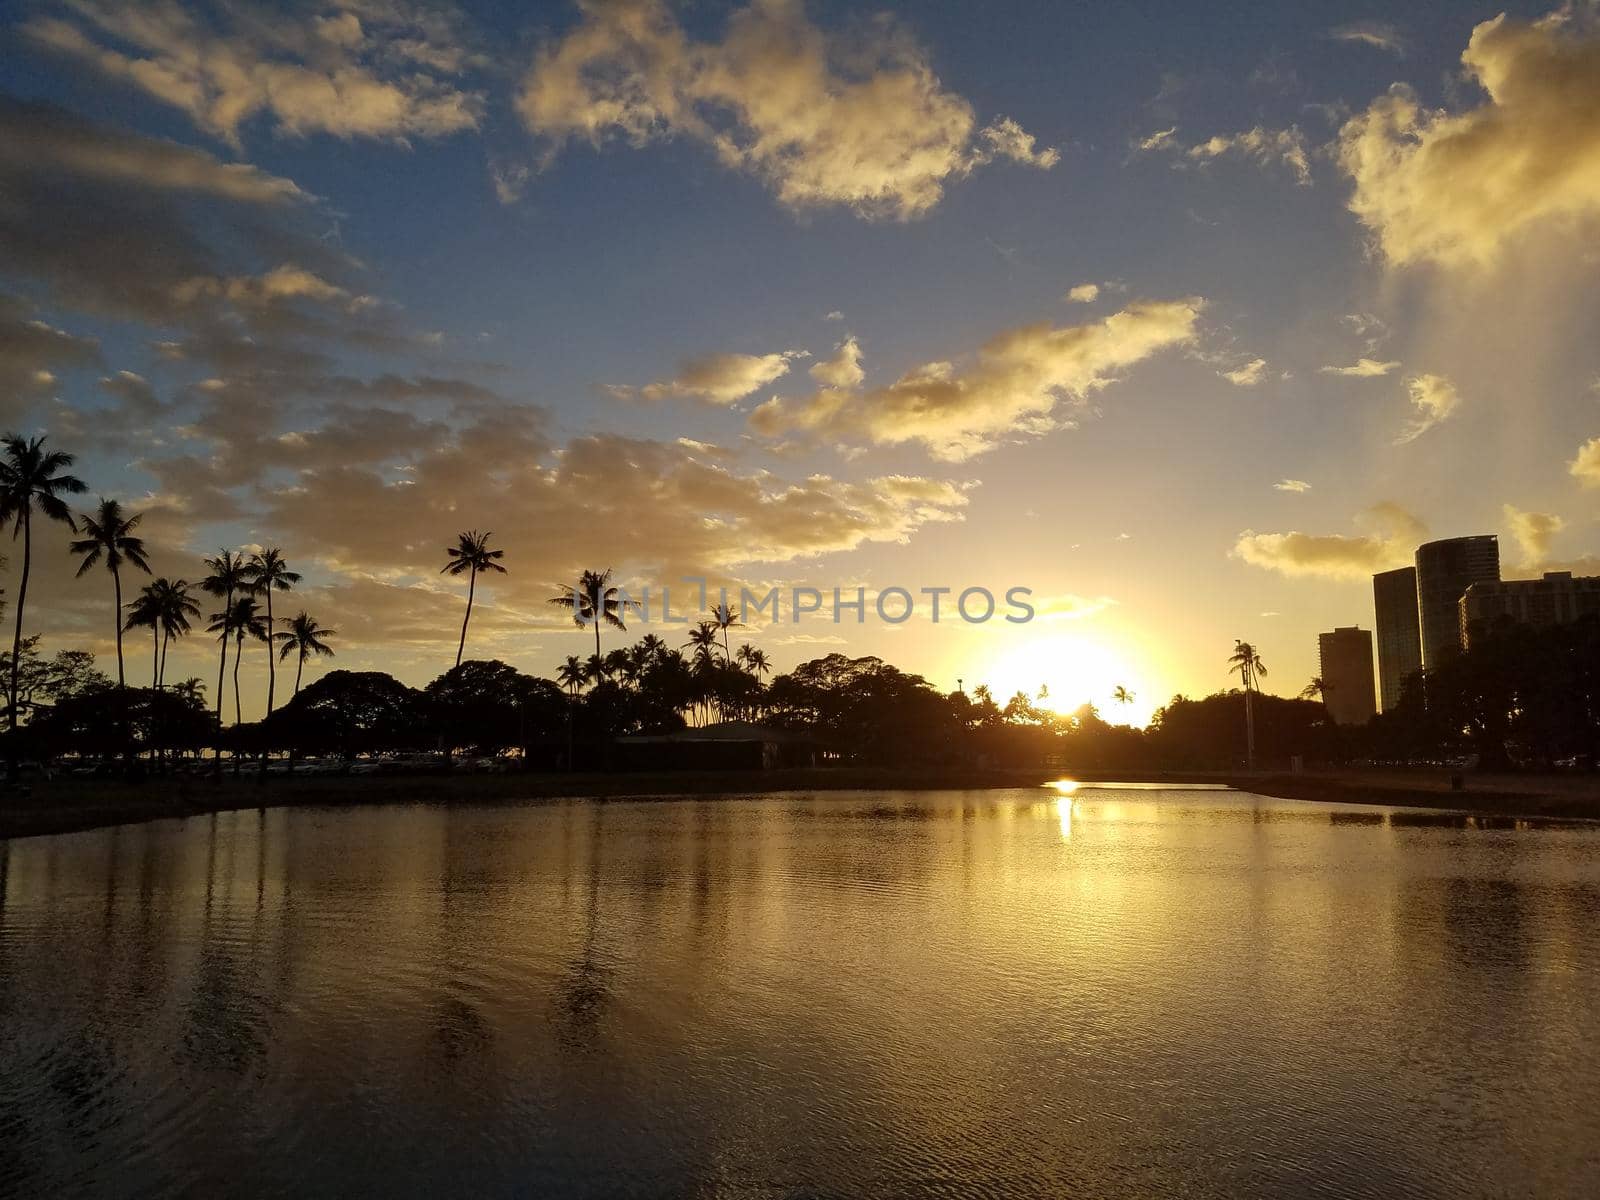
(1073, 670)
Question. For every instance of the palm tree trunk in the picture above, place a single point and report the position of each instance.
(272, 667)
(472, 585)
(222, 663)
(116, 584)
(299, 667)
(155, 656)
(238, 709)
(166, 641)
(16, 639)
(597, 630)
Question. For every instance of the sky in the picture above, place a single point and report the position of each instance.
(1187, 323)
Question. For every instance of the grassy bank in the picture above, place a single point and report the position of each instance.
(65, 805)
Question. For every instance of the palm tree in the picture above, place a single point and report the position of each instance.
(238, 621)
(303, 637)
(595, 601)
(1247, 664)
(229, 576)
(31, 477)
(753, 660)
(111, 539)
(174, 608)
(703, 641)
(724, 618)
(144, 613)
(1315, 690)
(471, 554)
(572, 674)
(1122, 695)
(269, 573)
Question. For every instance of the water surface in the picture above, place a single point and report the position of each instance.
(1122, 993)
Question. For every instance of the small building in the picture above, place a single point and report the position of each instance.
(725, 746)
(1556, 599)
(1346, 668)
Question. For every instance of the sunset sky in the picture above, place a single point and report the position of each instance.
(1187, 324)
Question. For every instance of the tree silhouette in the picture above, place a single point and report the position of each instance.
(303, 637)
(471, 554)
(163, 606)
(1247, 664)
(238, 621)
(595, 601)
(572, 674)
(110, 539)
(31, 477)
(724, 618)
(229, 577)
(268, 573)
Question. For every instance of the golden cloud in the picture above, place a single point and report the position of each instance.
(721, 378)
(1585, 468)
(1533, 532)
(1392, 543)
(377, 74)
(1453, 189)
(853, 119)
(1362, 368)
(1433, 399)
(1013, 387)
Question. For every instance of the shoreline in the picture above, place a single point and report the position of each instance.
(69, 806)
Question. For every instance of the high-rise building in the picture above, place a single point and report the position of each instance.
(1346, 660)
(1556, 599)
(1394, 599)
(1445, 570)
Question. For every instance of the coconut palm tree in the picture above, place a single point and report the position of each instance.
(229, 577)
(471, 554)
(110, 539)
(303, 637)
(724, 618)
(572, 674)
(1122, 695)
(174, 608)
(753, 660)
(596, 601)
(239, 620)
(1247, 664)
(269, 573)
(144, 613)
(31, 477)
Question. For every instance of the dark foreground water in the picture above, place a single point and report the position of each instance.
(1132, 993)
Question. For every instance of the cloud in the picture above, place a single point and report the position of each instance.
(1292, 485)
(1161, 139)
(1069, 606)
(1363, 368)
(856, 119)
(510, 180)
(1011, 388)
(843, 370)
(375, 70)
(722, 378)
(1084, 293)
(31, 352)
(1392, 543)
(1434, 398)
(1262, 145)
(1533, 532)
(1585, 468)
(1456, 188)
(1248, 375)
(1381, 35)
(835, 315)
